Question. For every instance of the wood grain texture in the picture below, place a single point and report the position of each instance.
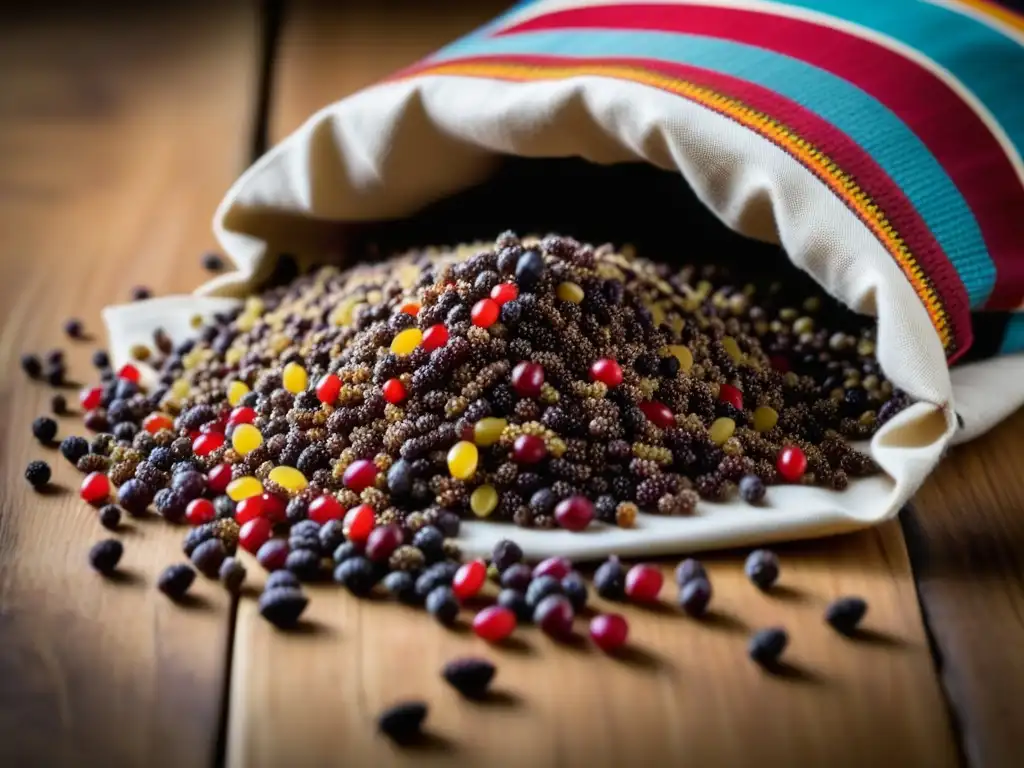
(119, 132)
(966, 537)
(687, 690)
(330, 50)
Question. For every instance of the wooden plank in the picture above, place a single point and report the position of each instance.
(331, 51)
(966, 536)
(119, 134)
(686, 692)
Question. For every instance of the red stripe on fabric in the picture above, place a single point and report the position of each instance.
(951, 130)
(840, 148)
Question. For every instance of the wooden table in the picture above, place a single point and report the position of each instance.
(119, 132)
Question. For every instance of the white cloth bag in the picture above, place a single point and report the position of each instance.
(389, 150)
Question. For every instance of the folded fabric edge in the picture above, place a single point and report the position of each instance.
(763, 526)
(985, 393)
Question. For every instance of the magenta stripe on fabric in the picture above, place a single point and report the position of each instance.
(949, 127)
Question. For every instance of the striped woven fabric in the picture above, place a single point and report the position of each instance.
(911, 112)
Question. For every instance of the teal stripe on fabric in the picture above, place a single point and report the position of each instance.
(987, 63)
(869, 123)
(1013, 336)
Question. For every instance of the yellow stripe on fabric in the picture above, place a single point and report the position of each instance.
(841, 183)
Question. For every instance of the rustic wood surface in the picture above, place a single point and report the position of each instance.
(686, 691)
(118, 135)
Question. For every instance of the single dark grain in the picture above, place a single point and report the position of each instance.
(105, 555)
(470, 676)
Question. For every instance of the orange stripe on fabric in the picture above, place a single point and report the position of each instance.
(843, 185)
(1006, 15)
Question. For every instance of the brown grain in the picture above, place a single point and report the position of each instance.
(119, 133)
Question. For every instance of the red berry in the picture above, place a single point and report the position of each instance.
(791, 463)
(215, 427)
(95, 488)
(394, 391)
(243, 414)
(273, 554)
(435, 336)
(360, 475)
(90, 398)
(554, 616)
(410, 308)
(527, 379)
(729, 394)
(95, 420)
(469, 579)
(504, 292)
(382, 541)
(556, 567)
(658, 413)
(273, 508)
(254, 534)
(327, 389)
(494, 623)
(643, 583)
(325, 508)
(218, 478)
(157, 421)
(779, 363)
(574, 513)
(207, 443)
(485, 313)
(607, 371)
(249, 509)
(609, 631)
(130, 372)
(529, 449)
(200, 511)
(359, 522)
